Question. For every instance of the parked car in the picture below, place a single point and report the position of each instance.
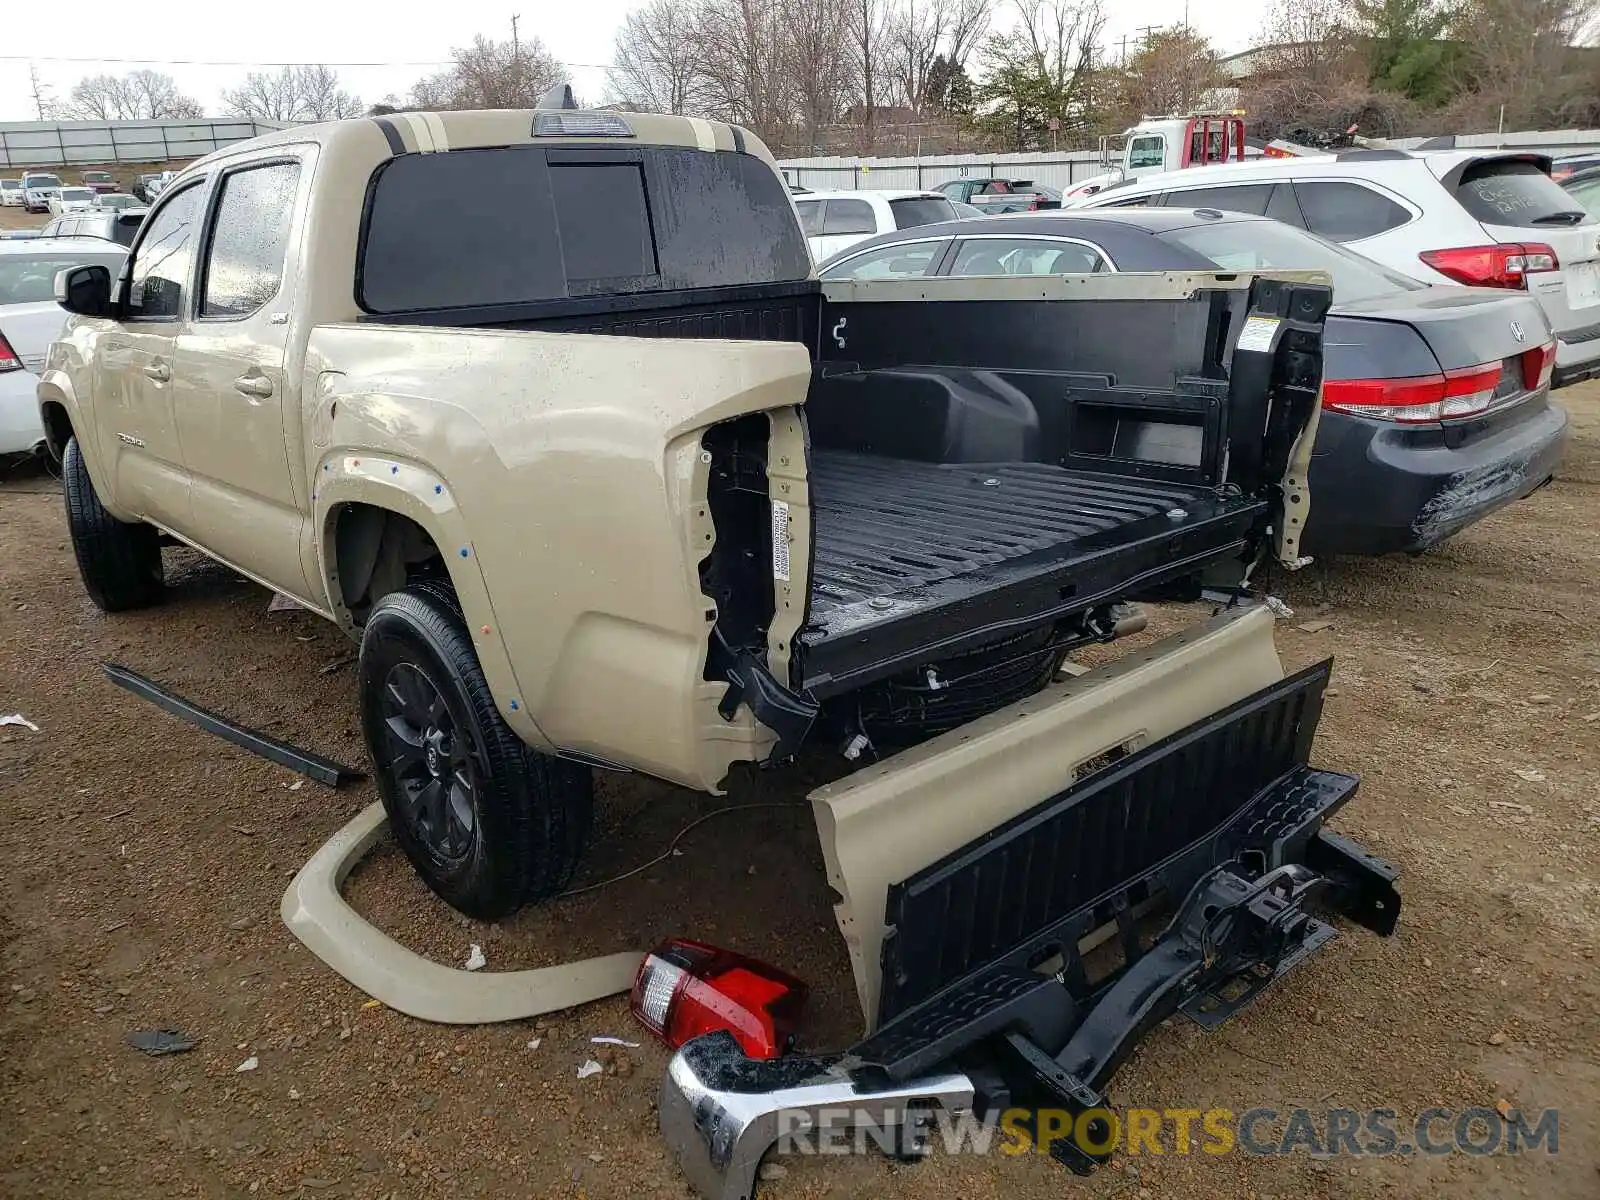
(72, 199)
(1584, 187)
(38, 189)
(114, 225)
(1436, 408)
(1568, 165)
(994, 196)
(117, 200)
(30, 319)
(148, 187)
(1485, 218)
(834, 220)
(11, 193)
(100, 182)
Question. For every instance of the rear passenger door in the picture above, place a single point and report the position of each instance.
(236, 391)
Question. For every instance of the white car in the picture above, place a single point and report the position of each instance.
(37, 191)
(1487, 218)
(10, 193)
(835, 220)
(30, 319)
(113, 200)
(72, 199)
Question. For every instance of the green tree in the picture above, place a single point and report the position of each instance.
(1041, 71)
(1407, 49)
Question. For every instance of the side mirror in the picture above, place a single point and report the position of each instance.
(85, 291)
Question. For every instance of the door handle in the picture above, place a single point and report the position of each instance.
(258, 386)
(159, 371)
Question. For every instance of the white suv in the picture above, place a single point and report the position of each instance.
(834, 221)
(1483, 217)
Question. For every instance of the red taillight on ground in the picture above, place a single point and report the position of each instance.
(8, 357)
(1502, 265)
(1416, 398)
(1538, 365)
(687, 988)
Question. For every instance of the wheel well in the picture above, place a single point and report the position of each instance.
(377, 552)
(57, 428)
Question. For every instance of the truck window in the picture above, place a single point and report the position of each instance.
(1147, 152)
(603, 219)
(811, 217)
(848, 216)
(1347, 212)
(160, 272)
(530, 224)
(249, 240)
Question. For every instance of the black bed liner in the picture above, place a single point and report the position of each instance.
(917, 560)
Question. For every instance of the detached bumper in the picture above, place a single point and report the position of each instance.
(996, 991)
(1380, 488)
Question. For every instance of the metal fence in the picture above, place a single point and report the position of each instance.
(94, 143)
(1062, 170)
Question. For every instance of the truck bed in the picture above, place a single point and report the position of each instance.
(918, 560)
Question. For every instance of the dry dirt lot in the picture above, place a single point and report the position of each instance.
(142, 864)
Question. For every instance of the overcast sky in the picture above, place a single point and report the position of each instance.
(200, 32)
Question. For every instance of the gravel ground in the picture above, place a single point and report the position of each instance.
(142, 863)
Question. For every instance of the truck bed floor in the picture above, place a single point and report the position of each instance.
(916, 560)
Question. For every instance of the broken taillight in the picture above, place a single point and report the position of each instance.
(1538, 365)
(8, 357)
(686, 988)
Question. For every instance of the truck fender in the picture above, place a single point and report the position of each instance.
(63, 417)
(420, 494)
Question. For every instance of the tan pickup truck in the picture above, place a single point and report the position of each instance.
(548, 410)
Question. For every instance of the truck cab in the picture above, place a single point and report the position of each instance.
(1159, 144)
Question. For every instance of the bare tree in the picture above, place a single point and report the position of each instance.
(868, 23)
(1522, 55)
(1171, 73)
(490, 74)
(816, 35)
(1311, 42)
(922, 31)
(305, 93)
(655, 64)
(744, 60)
(137, 96)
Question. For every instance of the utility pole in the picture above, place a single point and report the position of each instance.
(1124, 61)
(1147, 30)
(516, 47)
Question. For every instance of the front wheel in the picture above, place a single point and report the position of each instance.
(120, 562)
(489, 824)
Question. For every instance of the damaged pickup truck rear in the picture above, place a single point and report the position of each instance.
(601, 477)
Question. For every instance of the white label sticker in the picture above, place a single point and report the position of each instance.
(1257, 333)
(780, 540)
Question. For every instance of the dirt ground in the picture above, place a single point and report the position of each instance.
(142, 863)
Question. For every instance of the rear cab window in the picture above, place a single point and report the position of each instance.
(1509, 191)
(533, 224)
(920, 210)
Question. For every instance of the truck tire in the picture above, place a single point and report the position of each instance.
(120, 562)
(488, 823)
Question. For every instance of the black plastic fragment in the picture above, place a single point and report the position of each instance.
(303, 762)
(159, 1042)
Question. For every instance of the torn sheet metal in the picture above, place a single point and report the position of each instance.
(316, 912)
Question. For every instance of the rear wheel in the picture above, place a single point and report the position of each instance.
(489, 824)
(120, 562)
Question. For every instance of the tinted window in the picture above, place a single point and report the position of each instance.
(1147, 152)
(1586, 192)
(888, 262)
(810, 217)
(31, 279)
(249, 240)
(603, 219)
(1241, 197)
(1282, 206)
(124, 229)
(1133, 202)
(1508, 192)
(480, 227)
(161, 266)
(920, 210)
(1024, 256)
(1264, 245)
(848, 216)
(1346, 212)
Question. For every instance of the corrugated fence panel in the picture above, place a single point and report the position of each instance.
(84, 143)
